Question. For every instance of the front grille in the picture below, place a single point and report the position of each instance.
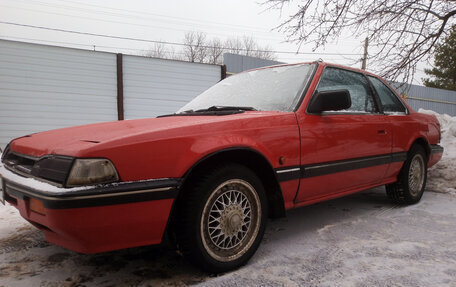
(51, 168)
(21, 164)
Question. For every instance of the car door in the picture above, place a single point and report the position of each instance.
(402, 125)
(351, 147)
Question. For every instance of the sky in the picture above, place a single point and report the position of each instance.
(166, 21)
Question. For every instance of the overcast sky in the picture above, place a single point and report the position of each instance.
(164, 21)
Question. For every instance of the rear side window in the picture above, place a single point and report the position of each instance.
(358, 86)
(390, 102)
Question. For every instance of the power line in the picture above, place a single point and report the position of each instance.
(183, 20)
(44, 41)
(159, 15)
(273, 38)
(89, 46)
(162, 42)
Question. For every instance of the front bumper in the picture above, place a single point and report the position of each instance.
(96, 219)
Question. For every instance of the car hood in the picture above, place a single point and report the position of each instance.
(73, 141)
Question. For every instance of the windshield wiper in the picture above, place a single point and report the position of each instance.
(223, 108)
(212, 111)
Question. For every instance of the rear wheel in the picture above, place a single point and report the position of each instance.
(411, 180)
(222, 218)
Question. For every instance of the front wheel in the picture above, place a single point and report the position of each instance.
(411, 180)
(223, 218)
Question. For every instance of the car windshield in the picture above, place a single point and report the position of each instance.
(271, 89)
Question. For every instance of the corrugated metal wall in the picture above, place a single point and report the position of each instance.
(155, 87)
(438, 100)
(239, 63)
(45, 87)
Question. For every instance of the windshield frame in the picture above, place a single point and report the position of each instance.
(306, 89)
(300, 94)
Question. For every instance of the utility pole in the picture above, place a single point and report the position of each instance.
(366, 44)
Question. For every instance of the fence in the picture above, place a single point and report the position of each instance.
(46, 87)
(438, 100)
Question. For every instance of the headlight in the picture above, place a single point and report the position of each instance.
(92, 171)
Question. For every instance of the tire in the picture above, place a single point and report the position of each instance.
(221, 218)
(411, 181)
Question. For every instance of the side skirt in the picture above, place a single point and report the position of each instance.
(342, 193)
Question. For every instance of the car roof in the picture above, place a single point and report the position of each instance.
(319, 62)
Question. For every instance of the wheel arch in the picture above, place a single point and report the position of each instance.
(250, 158)
(424, 143)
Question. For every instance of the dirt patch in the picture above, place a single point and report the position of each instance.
(25, 238)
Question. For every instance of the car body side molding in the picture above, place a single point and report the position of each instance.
(317, 169)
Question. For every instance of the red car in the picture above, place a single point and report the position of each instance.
(249, 148)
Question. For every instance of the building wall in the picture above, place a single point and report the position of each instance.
(46, 87)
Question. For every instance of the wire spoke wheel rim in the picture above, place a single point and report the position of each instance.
(230, 220)
(416, 175)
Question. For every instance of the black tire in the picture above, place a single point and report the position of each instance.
(411, 181)
(222, 195)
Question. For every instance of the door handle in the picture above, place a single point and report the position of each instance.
(381, 132)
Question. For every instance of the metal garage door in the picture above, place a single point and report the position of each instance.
(45, 87)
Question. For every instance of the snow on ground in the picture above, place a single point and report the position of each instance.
(10, 221)
(359, 240)
(442, 176)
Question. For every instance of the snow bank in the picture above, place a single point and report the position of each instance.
(442, 176)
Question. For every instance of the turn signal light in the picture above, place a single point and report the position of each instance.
(36, 206)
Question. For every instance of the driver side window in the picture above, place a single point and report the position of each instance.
(358, 86)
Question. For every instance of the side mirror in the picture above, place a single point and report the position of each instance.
(330, 101)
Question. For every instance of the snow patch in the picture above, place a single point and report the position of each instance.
(442, 176)
(325, 228)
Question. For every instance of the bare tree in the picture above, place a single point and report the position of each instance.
(401, 32)
(215, 52)
(171, 53)
(195, 48)
(249, 47)
(157, 51)
(265, 52)
(233, 45)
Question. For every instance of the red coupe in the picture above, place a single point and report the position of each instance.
(249, 148)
